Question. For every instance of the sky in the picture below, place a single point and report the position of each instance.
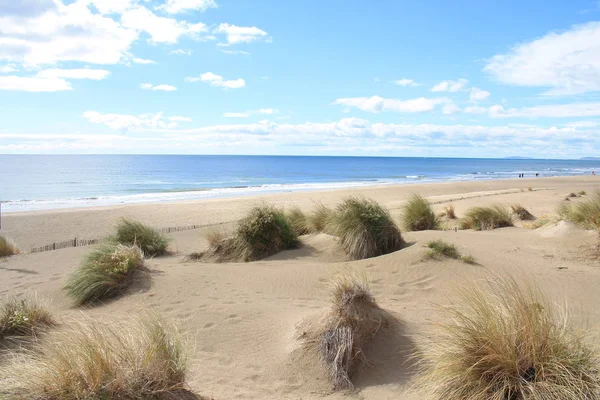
(337, 77)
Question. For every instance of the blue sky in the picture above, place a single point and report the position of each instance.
(392, 78)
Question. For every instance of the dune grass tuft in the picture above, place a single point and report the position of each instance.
(417, 214)
(23, 318)
(298, 221)
(586, 213)
(263, 232)
(104, 273)
(438, 250)
(449, 211)
(506, 341)
(581, 193)
(540, 221)
(486, 218)
(7, 247)
(365, 229)
(352, 322)
(521, 212)
(152, 242)
(319, 219)
(141, 359)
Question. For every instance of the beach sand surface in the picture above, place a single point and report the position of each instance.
(242, 319)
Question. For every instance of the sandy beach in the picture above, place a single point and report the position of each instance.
(242, 317)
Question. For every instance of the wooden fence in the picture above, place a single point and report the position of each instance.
(75, 242)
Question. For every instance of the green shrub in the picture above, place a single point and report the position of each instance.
(104, 273)
(152, 242)
(23, 317)
(582, 193)
(485, 218)
(507, 342)
(7, 247)
(438, 250)
(365, 229)
(298, 221)
(586, 213)
(136, 360)
(417, 214)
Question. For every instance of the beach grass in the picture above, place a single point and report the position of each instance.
(582, 193)
(585, 213)
(352, 322)
(440, 250)
(139, 359)
(148, 239)
(105, 272)
(507, 341)
(365, 228)
(23, 318)
(449, 212)
(486, 218)
(318, 220)
(7, 247)
(298, 221)
(521, 212)
(417, 215)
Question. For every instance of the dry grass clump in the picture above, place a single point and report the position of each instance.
(586, 213)
(486, 218)
(319, 219)
(7, 247)
(449, 212)
(152, 242)
(23, 318)
(571, 195)
(521, 212)
(365, 229)
(104, 273)
(263, 232)
(581, 193)
(353, 320)
(539, 222)
(417, 214)
(438, 250)
(141, 359)
(507, 342)
(298, 221)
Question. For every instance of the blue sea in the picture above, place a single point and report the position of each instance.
(38, 182)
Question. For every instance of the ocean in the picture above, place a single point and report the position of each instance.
(39, 182)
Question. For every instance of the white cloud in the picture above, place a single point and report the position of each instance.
(161, 29)
(566, 63)
(450, 86)
(33, 84)
(7, 69)
(376, 104)
(143, 61)
(180, 119)
(262, 111)
(132, 122)
(217, 80)
(450, 109)
(164, 88)
(82, 73)
(234, 52)
(240, 34)
(405, 82)
(63, 33)
(182, 52)
(475, 110)
(178, 6)
(112, 6)
(572, 110)
(478, 94)
(583, 124)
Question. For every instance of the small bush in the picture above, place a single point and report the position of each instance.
(7, 247)
(23, 317)
(142, 359)
(438, 250)
(582, 193)
(152, 242)
(263, 232)
(352, 322)
(319, 219)
(365, 229)
(586, 213)
(449, 212)
(507, 341)
(298, 221)
(521, 212)
(530, 189)
(417, 214)
(486, 218)
(104, 273)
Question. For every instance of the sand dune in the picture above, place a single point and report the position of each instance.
(244, 317)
